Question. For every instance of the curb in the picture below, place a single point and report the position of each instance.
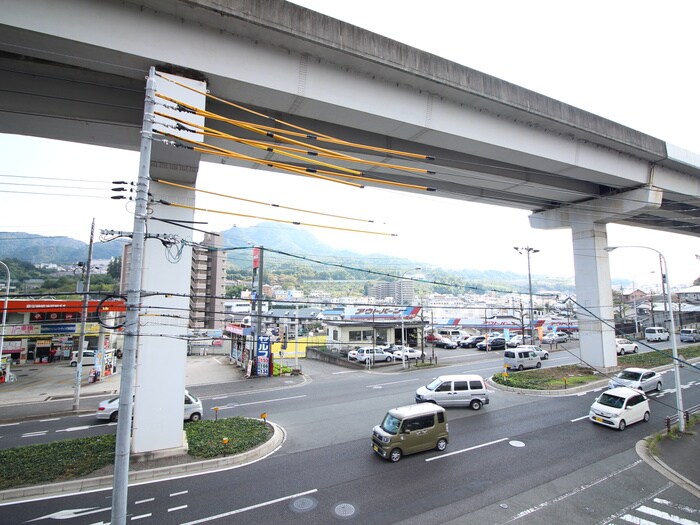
(642, 449)
(147, 476)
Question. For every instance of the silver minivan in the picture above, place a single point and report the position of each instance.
(520, 359)
(455, 390)
(409, 429)
(690, 335)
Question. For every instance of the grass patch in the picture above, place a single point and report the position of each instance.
(53, 462)
(557, 378)
(654, 359)
(206, 438)
(75, 458)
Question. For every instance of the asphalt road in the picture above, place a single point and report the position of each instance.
(522, 458)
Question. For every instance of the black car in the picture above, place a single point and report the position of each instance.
(445, 342)
(471, 341)
(497, 343)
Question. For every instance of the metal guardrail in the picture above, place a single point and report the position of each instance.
(672, 420)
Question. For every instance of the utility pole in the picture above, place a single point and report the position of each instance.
(133, 303)
(83, 321)
(529, 250)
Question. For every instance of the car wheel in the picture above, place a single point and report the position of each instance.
(441, 444)
(545, 356)
(646, 416)
(475, 404)
(634, 350)
(114, 416)
(622, 351)
(389, 359)
(196, 416)
(658, 386)
(520, 367)
(74, 364)
(539, 364)
(623, 425)
(395, 455)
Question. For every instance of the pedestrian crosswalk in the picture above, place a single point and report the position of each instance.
(658, 511)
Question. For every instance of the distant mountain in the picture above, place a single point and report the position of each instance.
(38, 249)
(278, 237)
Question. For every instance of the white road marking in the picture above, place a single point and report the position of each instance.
(141, 516)
(34, 434)
(219, 397)
(252, 507)
(637, 521)
(379, 385)
(144, 501)
(9, 425)
(345, 372)
(684, 508)
(579, 419)
(665, 515)
(173, 509)
(179, 493)
(52, 419)
(87, 415)
(466, 449)
(73, 429)
(234, 405)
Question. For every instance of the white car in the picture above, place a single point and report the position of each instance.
(555, 337)
(518, 340)
(371, 354)
(619, 407)
(109, 408)
(624, 346)
(541, 352)
(638, 379)
(409, 353)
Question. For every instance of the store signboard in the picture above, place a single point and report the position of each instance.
(263, 356)
(58, 329)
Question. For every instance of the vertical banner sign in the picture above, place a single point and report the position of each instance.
(263, 356)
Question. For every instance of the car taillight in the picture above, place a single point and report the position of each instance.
(100, 408)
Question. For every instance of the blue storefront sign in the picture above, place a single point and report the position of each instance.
(58, 328)
(263, 355)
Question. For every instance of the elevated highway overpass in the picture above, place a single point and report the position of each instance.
(75, 70)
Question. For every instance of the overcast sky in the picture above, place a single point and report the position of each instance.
(633, 62)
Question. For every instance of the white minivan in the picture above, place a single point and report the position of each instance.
(656, 333)
(520, 358)
(455, 390)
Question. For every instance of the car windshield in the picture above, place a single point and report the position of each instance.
(632, 376)
(433, 385)
(611, 401)
(390, 424)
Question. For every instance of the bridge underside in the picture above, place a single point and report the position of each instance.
(489, 141)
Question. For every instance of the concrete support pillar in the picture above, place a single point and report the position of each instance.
(165, 285)
(593, 288)
(594, 293)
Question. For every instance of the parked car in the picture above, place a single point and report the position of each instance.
(619, 407)
(637, 378)
(372, 354)
(109, 408)
(689, 335)
(471, 341)
(409, 353)
(432, 337)
(88, 358)
(625, 346)
(555, 337)
(539, 351)
(518, 340)
(496, 343)
(445, 342)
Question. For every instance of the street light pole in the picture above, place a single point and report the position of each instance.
(529, 285)
(403, 332)
(4, 309)
(674, 347)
